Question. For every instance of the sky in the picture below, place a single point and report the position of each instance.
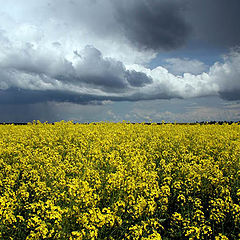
(111, 60)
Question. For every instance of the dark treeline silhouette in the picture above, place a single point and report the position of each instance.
(218, 122)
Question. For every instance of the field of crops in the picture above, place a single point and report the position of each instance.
(119, 181)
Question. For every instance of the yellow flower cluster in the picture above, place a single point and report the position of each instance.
(119, 181)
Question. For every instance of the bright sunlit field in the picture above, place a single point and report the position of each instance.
(119, 181)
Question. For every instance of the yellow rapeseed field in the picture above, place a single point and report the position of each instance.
(119, 181)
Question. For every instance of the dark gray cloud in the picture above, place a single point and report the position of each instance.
(170, 24)
(151, 24)
(231, 95)
(167, 25)
(216, 21)
(137, 79)
(25, 96)
(93, 69)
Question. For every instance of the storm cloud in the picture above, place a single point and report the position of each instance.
(216, 21)
(153, 24)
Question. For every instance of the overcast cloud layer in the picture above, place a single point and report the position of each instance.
(87, 52)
